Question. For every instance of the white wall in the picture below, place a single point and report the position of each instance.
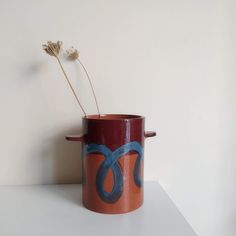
(172, 61)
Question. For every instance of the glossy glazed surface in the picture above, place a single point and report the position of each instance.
(109, 184)
(113, 130)
(112, 162)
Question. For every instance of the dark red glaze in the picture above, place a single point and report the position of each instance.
(113, 132)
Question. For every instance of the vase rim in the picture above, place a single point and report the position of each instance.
(108, 117)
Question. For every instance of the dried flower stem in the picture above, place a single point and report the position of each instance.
(91, 85)
(53, 49)
(73, 54)
(72, 89)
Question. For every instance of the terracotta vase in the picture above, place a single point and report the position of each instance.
(112, 171)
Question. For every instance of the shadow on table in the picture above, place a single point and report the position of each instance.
(71, 193)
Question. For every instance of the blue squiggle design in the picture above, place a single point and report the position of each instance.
(111, 161)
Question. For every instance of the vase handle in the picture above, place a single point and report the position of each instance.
(76, 137)
(80, 138)
(149, 134)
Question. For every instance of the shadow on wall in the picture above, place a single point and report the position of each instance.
(61, 159)
(58, 160)
(67, 158)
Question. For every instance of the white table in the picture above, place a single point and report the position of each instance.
(56, 210)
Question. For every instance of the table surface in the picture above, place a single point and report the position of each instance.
(56, 210)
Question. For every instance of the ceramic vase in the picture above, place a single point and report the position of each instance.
(113, 160)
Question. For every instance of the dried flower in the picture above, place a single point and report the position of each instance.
(53, 49)
(73, 55)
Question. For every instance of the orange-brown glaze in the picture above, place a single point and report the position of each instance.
(132, 196)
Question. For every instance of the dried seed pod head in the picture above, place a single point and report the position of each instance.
(72, 54)
(52, 49)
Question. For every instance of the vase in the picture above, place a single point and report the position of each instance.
(112, 162)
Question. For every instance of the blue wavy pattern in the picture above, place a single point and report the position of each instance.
(111, 162)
